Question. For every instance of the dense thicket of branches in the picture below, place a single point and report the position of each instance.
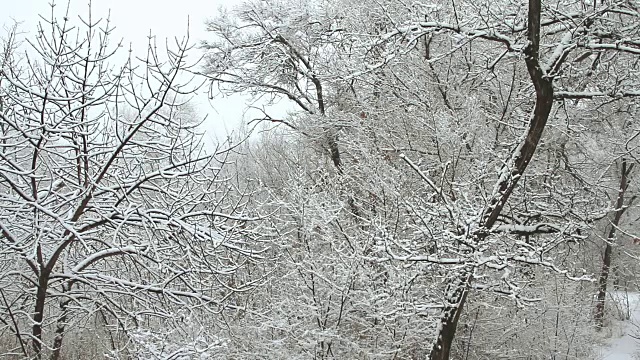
(440, 188)
(438, 150)
(110, 210)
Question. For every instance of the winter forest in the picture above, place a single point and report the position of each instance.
(452, 179)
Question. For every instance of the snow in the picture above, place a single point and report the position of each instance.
(626, 346)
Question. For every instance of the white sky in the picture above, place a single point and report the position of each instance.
(134, 20)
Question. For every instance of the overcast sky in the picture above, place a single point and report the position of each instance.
(133, 21)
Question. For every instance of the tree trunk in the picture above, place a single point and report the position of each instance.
(334, 151)
(508, 179)
(456, 298)
(61, 325)
(38, 316)
(606, 260)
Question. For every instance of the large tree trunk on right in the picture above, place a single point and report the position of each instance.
(606, 260)
(508, 179)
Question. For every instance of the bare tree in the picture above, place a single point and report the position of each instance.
(110, 206)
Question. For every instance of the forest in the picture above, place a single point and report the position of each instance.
(450, 180)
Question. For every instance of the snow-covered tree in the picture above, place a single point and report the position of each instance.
(417, 128)
(112, 214)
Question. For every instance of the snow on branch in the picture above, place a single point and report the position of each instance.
(103, 254)
(559, 95)
(542, 228)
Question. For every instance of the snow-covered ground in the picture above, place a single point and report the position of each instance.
(625, 341)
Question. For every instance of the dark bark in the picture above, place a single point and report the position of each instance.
(309, 72)
(544, 101)
(510, 174)
(61, 324)
(38, 316)
(334, 151)
(57, 341)
(606, 260)
(455, 298)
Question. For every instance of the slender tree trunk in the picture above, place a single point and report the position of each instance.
(38, 316)
(455, 298)
(606, 260)
(61, 325)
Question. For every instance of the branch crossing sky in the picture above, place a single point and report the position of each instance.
(134, 21)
